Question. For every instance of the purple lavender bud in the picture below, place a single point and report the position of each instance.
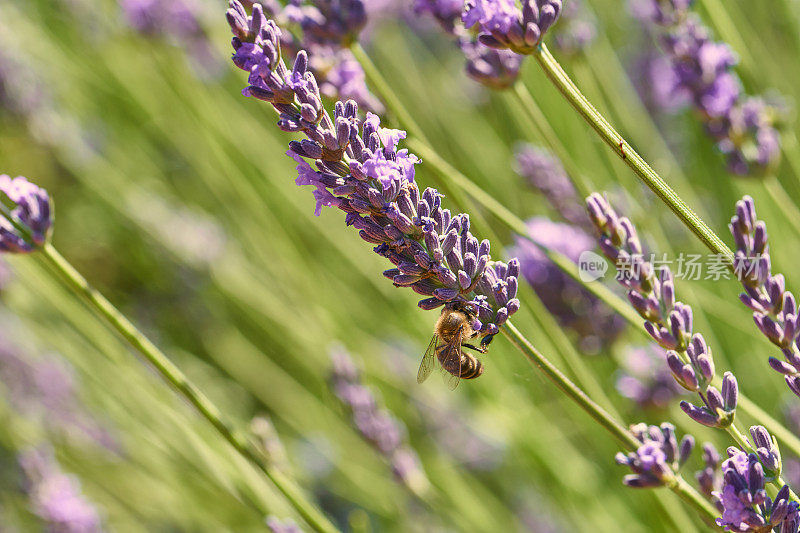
(503, 25)
(686, 447)
(27, 215)
(701, 415)
(782, 367)
(446, 12)
(730, 392)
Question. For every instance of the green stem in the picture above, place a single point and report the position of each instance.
(173, 375)
(622, 148)
(628, 441)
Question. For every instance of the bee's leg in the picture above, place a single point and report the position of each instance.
(479, 349)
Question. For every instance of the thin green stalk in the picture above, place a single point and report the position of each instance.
(628, 441)
(173, 375)
(621, 147)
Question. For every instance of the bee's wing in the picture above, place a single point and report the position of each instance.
(426, 366)
(451, 358)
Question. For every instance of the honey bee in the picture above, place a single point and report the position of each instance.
(452, 331)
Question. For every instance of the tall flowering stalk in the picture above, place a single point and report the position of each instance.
(775, 309)
(668, 321)
(689, 358)
(25, 225)
(701, 72)
(360, 170)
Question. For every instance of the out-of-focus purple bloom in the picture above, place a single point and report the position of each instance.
(325, 30)
(576, 30)
(660, 455)
(44, 388)
(55, 496)
(668, 321)
(446, 12)
(29, 208)
(575, 308)
(709, 478)
(504, 25)
(276, 525)
(21, 91)
(327, 21)
(178, 22)
(775, 309)
(645, 378)
(383, 431)
(544, 172)
(360, 170)
(746, 506)
(702, 72)
(496, 69)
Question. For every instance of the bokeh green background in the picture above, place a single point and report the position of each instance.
(174, 197)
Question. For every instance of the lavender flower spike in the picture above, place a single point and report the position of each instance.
(385, 433)
(668, 321)
(27, 215)
(504, 25)
(655, 462)
(775, 310)
(361, 170)
(744, 500)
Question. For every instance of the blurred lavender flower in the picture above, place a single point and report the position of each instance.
(544, 172)
(574, 308)
(55, 496)
(25, 207)
(446, 12)
(190, 234)
(177, 21)
(702, 72)
(21, 92)
(384, 432)
(576, 30)
(669, 322)
(361, 171)
(325, 29)
(645, 378)
(655, 462)
(503, 25)
(276, 525)
(45, 388)
(746, 506)
(496, 69)
(775, 310)
(710, 477)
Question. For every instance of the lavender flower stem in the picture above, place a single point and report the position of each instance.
(173, 375)
(626, 438)
(568, 387)
(611, 137)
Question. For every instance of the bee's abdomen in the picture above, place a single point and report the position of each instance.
(471, 367)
